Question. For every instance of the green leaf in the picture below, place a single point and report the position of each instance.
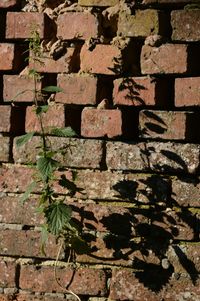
(24, 139)
(58, 215)
(41, 109)
(27, 193)
(63, 132)
(46, 166)
(52, 89)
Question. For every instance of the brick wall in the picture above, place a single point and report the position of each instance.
(131, 77)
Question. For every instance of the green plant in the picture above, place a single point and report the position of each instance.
(57, 213)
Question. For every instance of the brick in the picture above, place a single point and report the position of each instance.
(10, 57)
(81, 90)
(138, 91)
(20, 25)
(103, 59)
(75, 25)
(187, 91)
(4, 149)
(185, 192)
(98, 2)
(83, 281)
(53, 118)
(165, 125)
(7, 275)
(24, 296)
(168, 58)
(185, 25)
(6, 297)
(26, 244)
(162, 157)
(100, 123)
(134, 25)
(171, 2)
(8, 3)
(15, 86)
(5, 119)
(76, 152)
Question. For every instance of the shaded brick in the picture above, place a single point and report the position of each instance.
(4, 149)
(10, 57)
(137, 91)
(185, 25)
(7, 275)
(76, 152)
(100, 123)
(20, 25)
(187, 91)
(98, 2)
(53, 118)
(103, 59)
(5, 119)
(168, 58)
(162, 157)
(135, 26)
(165, 125)
(15, 87)
(83, 281)
(25, 296)
(80, 90)
(171, 2)
(75, 25)
(8, 3)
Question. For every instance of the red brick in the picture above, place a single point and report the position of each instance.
(165, 125)
(187, 91)
(137, 91)
(15, 85)
(185, 25)
(20, 25)
(54, 117)
(81, 90)
(7, 275)
(75, 25)
(100, 123)
(8, 3)
(98, 2)
(103, 59)
(4, 149)
(10, 57)
(85, 281)
(171, 2)
(4, 297)
(168, 58)
(24, 296)
(5, 119)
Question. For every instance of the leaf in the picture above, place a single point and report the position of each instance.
(46, 166)
(58, 215)
(63, 132)
(79, 245)
(52, 89)
(27, 193)
(24, 139)
(41, 109)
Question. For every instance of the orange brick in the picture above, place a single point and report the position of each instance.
(8, 3)
(187, 91)
(10, 57)
(5, 118)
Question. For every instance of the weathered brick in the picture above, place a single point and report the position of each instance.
(5, 118)
(100, 123)
(4, 148)
(75, 25)
(83, 281)
(138, 91)
(10, 57)
(135, 26)
(25, 296)
(8, 3)
(20, 25)
(187, 91)
(168, 58)
(164, 124)
(162, 157)
(7, 275)
(103, 59)
(5, 297)
(76, 152)
(185, 25)
(98, 2)
(19, 88)
(53, 118)
(77, 89)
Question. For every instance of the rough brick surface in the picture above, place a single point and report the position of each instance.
(74, 25)
(85, 281)
(168, 58)
(4, 148)
(100, 123)
(185, 25)
(7, 276)
(10, 57)
(98, 2)
(80, 90)
(8, 3)
(5, 118)
(187, 92)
